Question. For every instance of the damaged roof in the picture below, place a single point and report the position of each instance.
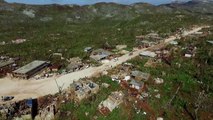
(137, 83)
(100, 54)
(140, 74)
(6, 63)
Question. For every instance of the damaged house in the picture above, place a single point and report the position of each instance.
(84, 89)
(138, 75)
(113, 101)
(127, 67)
(100, 54)
(138, 85)
(6, 66)
(75, 64)
(148, 40)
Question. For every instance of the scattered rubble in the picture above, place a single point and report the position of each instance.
(158, 80)
(159, 118)
(120, 47)
(148, 40)
(174, 43)
(18, 41)
(152, 63)
(158, 96)
(30, 13)
(105, 85)
(46, 19)
(7, 98)
(75, 64)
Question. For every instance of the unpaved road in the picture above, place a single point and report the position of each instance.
(24, 89)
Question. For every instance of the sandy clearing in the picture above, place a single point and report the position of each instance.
(24, 89)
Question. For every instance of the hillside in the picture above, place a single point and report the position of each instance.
(175, 83)
(197, 6)
(51, 27)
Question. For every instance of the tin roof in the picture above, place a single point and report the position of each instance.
(5, 63)
(210, 41)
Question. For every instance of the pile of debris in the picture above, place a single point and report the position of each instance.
(18, 109)
(18, 41)
(112, 102)
(7, 65)
(74, 64)
(148, 40)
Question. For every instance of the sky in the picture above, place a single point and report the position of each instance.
(86, 2)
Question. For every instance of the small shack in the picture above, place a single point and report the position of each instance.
(148, 54)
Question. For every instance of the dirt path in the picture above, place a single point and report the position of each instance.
(23, 89)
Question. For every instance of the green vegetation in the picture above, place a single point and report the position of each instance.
(188, 75)
(91, 105)
(69, 37)
(174, 76)
(68, 29)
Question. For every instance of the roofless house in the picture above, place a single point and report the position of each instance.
(30, 69)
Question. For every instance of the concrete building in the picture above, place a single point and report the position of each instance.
(30, 69)
(84, 89)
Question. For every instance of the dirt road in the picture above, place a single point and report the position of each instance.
(23, 89)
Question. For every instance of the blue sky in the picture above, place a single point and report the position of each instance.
(84, 2)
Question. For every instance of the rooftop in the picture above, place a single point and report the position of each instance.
(100, 54)
(5, 63)
(210, 41)
(29, 67)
